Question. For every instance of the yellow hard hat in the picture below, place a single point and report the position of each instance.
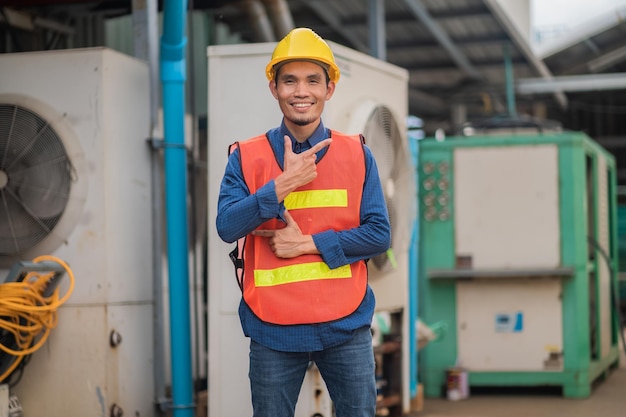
(303, 44)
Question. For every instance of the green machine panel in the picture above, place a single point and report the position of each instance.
(518, 260)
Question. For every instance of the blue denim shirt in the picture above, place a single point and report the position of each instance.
(240, 212)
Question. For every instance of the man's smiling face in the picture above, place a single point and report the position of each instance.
(301, 90)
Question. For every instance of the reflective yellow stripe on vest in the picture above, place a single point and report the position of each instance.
(299, 273)
(316, 198)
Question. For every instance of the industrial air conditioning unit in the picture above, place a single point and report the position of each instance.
(75, 183)
(518, 257)
(371, 98)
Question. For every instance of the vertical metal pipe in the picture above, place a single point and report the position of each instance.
(173, 75)
(280, 15)
(145, 46)
(376, 26)
(197, 205)
(159, 307)
(510, 86)
(259, 20)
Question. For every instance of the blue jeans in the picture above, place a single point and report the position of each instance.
(348, 371)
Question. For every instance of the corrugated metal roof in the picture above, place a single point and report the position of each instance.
(469, 67)
(596, 46)
(455, 50)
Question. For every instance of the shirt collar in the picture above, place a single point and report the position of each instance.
(318, 135)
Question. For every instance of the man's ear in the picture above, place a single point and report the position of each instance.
(272, 86)
(330, 90)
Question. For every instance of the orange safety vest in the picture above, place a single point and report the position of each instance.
(304, 290)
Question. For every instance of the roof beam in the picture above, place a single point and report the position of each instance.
(442, 66)
(606, 60)
(596, 82)
(466, 41)
(401, 17)
(422, 14)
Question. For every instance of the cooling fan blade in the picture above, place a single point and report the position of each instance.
(35, 179)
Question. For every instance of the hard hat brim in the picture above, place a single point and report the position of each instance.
(330, 67)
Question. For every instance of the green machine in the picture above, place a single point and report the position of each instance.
(518, 258)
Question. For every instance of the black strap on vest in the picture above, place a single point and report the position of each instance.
(237, 260)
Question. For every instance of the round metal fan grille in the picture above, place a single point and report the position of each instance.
(385, 136)
(35, 179)
(382, 126)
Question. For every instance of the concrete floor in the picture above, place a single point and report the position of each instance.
(608, 399)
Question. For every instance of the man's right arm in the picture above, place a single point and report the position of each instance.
(238, 211)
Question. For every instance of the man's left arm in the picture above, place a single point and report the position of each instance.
(371, 237)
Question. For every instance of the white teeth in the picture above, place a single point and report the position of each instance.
(300, 105)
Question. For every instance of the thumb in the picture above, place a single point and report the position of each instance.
(288, 218)
(291, 222)
(288, 147)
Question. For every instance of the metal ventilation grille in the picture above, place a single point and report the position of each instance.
(35, 179)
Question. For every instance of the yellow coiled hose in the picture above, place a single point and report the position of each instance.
(27, 314)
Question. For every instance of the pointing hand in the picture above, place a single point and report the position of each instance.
(298, 169)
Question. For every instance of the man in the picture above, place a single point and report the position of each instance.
(309, 202)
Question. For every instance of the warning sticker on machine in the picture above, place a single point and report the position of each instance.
(509, 322)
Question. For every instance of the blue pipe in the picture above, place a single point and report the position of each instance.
(173, 75)
(413, 274)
